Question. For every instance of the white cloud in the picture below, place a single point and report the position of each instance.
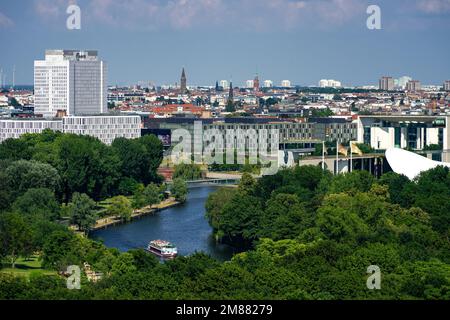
(259, 15)
(434, 6)
(5, 21)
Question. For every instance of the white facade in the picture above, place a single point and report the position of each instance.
(224, 84)
(329, 83)
(415, 132)
(268, 84)
(402, 81)
(10, 128)
(410, 164)
(249, 84)
(286, 84)
(70, 81)
(104, 127)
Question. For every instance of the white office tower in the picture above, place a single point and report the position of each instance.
(249, 84)
(70, 82)
(268, 84)
(285, 84)
(403, 81)
(224, 84)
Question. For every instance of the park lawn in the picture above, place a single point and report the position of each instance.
(26, 267)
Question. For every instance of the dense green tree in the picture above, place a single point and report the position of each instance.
(247, 184)
(351, 183)
(142, 260)
(6, 193)
(214, 206)
(38, 202)
(128, 186)
(23, 175)
(61, 249)
(15, 237)
(187, 172)
(152, 194)
(140, 158)
(179, 190)
(431, 194)
(86, 166)
(120, 207)
(15, 149)
(283, 218)
(81, 211)
(399, 187)
(124, 264)
(240, 218)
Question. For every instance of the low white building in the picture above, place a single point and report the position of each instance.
(104, 127)
(15, 128)
(414, 132)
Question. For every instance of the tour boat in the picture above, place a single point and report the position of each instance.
(163, 249)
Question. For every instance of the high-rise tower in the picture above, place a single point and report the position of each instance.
(183, 86)
(231, 93)
(256, 83)
(71, 82)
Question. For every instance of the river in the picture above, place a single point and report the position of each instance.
(185, 226)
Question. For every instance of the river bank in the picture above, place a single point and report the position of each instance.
(138, 213)
(185, 225)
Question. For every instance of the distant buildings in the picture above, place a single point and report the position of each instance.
(447, 85)
(249, 84)
(268, 84)
(329, 83)
(70, 82)
(402, 82)
(413, 86)
(386, 84)
(256, 83)
(285, 84)
(224, 84)
(104, 127)
(415, 132)
(71, 94)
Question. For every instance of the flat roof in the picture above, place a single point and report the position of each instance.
(403, 118)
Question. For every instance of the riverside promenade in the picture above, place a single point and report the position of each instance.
(138, 213)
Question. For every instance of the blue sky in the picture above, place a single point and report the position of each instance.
(300, 40)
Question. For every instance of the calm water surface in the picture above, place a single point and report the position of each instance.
(185, 226)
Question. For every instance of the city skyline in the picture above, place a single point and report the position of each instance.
(214, 40)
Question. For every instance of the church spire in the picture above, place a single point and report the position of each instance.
(183, 86)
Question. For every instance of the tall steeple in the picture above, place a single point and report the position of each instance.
(256, 83)
(183, 86)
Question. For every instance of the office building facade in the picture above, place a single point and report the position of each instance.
(386, 84)
(106, 128)
(413, 86)
(70, 82)
(412, 132)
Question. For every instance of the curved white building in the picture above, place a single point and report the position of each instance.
(409, 163)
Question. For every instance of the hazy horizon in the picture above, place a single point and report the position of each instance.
(301, 41)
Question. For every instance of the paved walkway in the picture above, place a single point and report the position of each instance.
(114, 220)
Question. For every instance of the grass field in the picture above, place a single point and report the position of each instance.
(26, 267)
